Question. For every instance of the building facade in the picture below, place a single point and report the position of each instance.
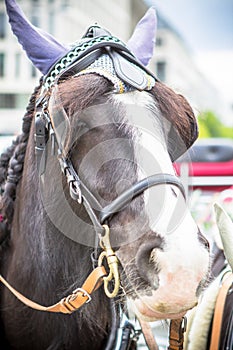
(68, 20)
(174, 65)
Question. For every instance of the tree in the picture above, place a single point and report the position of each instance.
(211, 126)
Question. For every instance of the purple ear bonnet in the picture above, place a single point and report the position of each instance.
(142, 41)
(44, 50)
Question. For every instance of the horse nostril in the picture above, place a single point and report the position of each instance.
(147, 267)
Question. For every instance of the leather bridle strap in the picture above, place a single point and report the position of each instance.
(120, 202)
(218, 314)
(91, 203)
(176, 335)
(148, 335)
(72, 302)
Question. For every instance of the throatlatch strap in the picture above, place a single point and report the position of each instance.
(218, 314)
(70, 303)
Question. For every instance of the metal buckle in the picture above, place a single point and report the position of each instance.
(112, 262)
(85, 294)
(75, 191)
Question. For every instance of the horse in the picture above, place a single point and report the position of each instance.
(90, 196)
(211, 322)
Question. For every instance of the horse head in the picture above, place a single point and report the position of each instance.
(107, 132)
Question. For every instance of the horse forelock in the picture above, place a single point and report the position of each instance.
(177, 110)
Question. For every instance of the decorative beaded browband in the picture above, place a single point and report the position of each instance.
(105, 55)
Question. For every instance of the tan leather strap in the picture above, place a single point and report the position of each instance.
(218, 314)
(148, 335)
(176, 336)
(70, 303)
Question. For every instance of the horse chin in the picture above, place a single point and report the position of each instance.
(150, 313)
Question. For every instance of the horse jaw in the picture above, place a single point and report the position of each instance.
(225, 227)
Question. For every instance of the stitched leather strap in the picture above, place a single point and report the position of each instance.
(176, 337)
(218, 314)
(70, 303)
(136, 189)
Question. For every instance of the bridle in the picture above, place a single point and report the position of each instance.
(52, 123)
(56, 126)
(130, 73)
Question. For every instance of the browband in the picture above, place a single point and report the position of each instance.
(86, 52)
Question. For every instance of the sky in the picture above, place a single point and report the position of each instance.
(207, 28)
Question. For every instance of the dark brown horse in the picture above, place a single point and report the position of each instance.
(97, 145)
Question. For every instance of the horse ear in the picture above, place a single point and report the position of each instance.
(142, 41)
(225, 227)
(42, 48)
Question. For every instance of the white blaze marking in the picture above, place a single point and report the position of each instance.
(183, 263)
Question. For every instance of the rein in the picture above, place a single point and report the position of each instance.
(72, 302)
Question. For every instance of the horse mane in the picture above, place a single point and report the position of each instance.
(11, 165)
(173, 107)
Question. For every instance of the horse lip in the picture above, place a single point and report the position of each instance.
(151, 316)
(144, 312)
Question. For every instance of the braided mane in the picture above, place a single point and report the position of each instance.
(11, 168)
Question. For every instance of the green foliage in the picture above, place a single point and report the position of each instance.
(203, 129)
(211, 126)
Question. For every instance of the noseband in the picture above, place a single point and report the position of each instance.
(138, 188)
(81, 194)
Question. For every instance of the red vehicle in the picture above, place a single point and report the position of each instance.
(208, 165)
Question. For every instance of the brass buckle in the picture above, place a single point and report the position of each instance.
(83, 291)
